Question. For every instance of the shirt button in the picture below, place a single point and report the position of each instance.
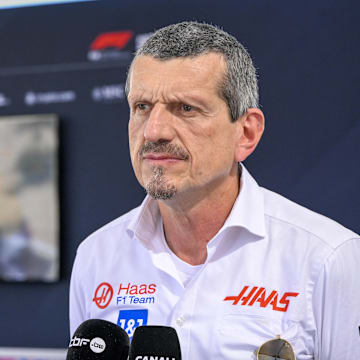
(180, 321)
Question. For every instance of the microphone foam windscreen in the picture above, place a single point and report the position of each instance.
(155, 342)
(98, 339)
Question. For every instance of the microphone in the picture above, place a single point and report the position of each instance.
(97, 339)
(155, 343)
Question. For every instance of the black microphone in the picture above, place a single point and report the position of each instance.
(98, 339)
(155, 343)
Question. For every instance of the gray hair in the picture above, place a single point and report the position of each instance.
(239, 87)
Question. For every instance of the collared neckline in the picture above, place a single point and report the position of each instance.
(247, 212)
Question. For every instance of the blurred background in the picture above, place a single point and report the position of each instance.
(70, 61)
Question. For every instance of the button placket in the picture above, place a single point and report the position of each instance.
(180, 320)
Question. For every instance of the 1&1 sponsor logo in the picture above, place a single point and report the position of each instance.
(129, 320)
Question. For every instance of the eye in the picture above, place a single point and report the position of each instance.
(186, 108)
(141, 106)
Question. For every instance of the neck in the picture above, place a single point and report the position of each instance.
(192, 220)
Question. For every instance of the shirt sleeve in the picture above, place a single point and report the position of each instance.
(77, 311)
(337, 304)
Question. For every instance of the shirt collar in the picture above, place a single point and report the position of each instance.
(144, 223)
(248, 209)
(247, 212)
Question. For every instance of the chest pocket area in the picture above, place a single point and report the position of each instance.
(240, 335)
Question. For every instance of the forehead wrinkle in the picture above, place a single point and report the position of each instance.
(166, 86)
(157, 93)
(135, 95)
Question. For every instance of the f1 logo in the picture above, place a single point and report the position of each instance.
(116, 39)
(129, 320)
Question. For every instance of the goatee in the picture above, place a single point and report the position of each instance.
(157, 187)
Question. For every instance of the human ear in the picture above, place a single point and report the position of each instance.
(250, 129)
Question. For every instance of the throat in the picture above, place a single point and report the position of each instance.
(190, 225)
(188, 238)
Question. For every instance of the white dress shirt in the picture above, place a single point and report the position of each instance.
(274, 268)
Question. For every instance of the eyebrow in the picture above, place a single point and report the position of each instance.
(196, 100)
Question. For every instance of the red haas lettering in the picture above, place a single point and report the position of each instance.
(286, 302)
(255, 294)
(142, 289)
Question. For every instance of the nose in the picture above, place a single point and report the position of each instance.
(159, 125)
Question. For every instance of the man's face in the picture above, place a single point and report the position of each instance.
(181, 136)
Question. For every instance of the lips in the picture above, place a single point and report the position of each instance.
(161, 157)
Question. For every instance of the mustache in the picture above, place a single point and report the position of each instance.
(163, 147)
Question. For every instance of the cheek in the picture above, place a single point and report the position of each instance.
(213, 150)
(134, 145)
(209, 142)
(135, 137)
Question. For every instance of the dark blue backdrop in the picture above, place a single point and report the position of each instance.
(307, 54)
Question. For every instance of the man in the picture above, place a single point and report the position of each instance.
(228, 264)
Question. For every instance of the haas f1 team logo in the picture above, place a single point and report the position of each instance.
(103, 295)
(249, 296)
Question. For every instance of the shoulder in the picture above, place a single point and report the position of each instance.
(287, 213)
